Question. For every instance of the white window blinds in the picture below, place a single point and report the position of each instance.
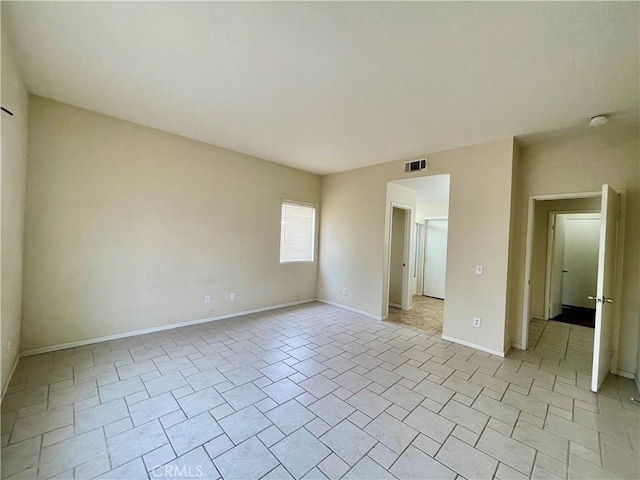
(297, 232)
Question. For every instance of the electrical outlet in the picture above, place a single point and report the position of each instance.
(479, 269)
(344, 291)
(207, 299)
(232, 296)
(476, 321)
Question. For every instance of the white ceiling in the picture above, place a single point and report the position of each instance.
(327, 87)
(434, 188)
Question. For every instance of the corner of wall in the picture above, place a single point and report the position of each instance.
(13, 187)
(512, 265)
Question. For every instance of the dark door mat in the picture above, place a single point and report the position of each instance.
(585, 317)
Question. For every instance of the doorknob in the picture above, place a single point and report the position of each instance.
(565, 271)
(603, 299)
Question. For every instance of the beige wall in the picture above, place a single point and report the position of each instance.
(13, 190)
(513, 270)
(431, 209)
(583, 164)
(129, 228)
(539, 246)
(352, 250)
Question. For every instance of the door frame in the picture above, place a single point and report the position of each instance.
(550, 248)
(424, 247)
(406, 274)
(619, 264)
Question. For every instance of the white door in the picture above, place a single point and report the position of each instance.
(435, 258)
(602, 341)
(557, 265)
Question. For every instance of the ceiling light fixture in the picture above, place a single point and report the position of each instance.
(598, 120)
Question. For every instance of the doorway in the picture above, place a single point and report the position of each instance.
(543, 275)
(572, 267)
(430, 200)
(399, 256)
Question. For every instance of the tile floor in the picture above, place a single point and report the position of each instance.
(427, 314)
(572, 345)
(311, 392)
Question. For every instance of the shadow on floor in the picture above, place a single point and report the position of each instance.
(585, 317)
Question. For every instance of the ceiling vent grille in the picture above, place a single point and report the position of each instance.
(415, 165)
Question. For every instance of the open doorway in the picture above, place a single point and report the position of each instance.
(572, 267)
(399, 257)
(574, 261)
(427, 263)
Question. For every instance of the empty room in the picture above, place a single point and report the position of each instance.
(320, 240)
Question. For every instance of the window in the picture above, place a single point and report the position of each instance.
(297, 232)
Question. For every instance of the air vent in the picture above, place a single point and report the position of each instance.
(415, 166)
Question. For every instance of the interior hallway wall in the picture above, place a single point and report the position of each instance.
(352, 252)
(129, 228)
(424, 210)
(583, 164)
(432, 209)
(582, 242)
(13, 173)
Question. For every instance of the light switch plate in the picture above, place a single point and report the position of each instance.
(478, 269)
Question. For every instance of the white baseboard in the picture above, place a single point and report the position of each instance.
(144, 331)
(5, 387)
(471, 345)
(632, 376)
(518, 346)
(396, 305)
(624, 374)
(354, 310)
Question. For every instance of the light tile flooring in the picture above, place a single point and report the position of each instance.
(311, 392)
(427, 314)
(571, 345)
